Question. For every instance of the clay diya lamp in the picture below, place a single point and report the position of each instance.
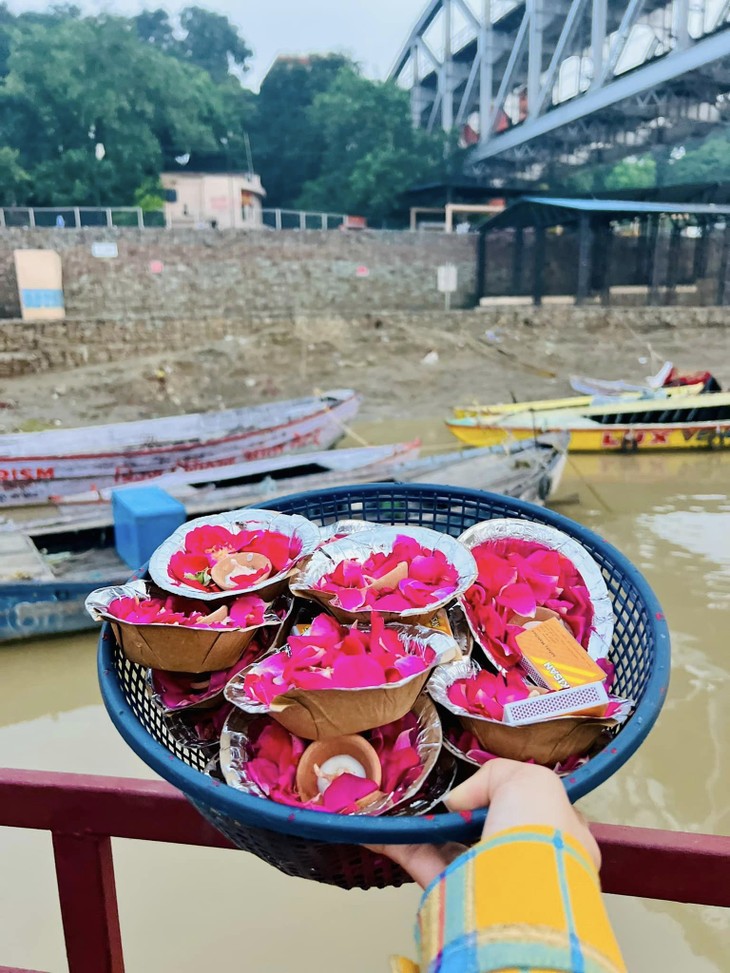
(325, 760)
(228, 571)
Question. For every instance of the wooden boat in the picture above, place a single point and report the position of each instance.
(572, 402)
(36, 466)
(687, 422)
(48, 568)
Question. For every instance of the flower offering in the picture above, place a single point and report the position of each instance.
(341, 679)
(365, 773)
(551, 735)
(148, 624)
(245, 611)
(244, 551)
(399, 572)
(528, 574)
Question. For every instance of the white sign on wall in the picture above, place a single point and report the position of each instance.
(104, 251)
(447, 278)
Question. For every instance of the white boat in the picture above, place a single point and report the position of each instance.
(47, 568)
(34, 467)
(525, 470)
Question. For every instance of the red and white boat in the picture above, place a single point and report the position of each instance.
(34, 467)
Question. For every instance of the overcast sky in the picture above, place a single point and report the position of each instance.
(371, 31)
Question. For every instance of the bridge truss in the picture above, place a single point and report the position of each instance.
(534, 83)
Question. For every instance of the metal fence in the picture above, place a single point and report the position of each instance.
(297, 219)
(75, 217)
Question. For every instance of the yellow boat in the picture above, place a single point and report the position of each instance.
(571, 402)
(693, 422)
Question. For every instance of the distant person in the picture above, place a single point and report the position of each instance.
(526, 898)
(60, 222)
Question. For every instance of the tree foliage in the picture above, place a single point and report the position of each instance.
(287, 146)
(94, 108)
(86, 82)
(370, 151)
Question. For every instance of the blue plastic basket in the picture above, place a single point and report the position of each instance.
(326, 847)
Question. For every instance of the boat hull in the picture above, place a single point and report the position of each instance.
(569, 403)
(38, 609)
(33, 478)
(608, 438)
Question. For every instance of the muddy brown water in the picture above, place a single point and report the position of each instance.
(186, 909)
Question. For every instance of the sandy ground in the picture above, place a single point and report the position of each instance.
(402, 372)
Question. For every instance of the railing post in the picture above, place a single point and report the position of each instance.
(88, 897)
(140, 218)
(2, 217)
(77, 217)
(109, 220)
(31, 217)
(302, 220)
(323, 217)
(277, 218)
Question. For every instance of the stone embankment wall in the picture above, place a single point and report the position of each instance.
(229, 274)
(28, 347)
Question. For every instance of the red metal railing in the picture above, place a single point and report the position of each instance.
(84, 813)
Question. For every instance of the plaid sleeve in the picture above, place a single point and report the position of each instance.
(528, 900)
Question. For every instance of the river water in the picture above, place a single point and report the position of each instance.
(186, 910)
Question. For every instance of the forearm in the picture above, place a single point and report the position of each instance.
(526, 899)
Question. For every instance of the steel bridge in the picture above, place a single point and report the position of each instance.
(533, 83)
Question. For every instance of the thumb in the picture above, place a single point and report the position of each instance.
(478, 790)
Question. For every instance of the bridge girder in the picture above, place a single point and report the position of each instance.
(533, 81)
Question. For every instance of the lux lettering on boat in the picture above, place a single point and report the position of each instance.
(12, 475)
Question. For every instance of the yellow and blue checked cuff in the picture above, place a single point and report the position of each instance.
(528, 900)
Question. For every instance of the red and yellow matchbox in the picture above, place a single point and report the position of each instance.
(554, 659)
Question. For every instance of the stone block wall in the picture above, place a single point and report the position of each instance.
(226, 274)
(29, 347)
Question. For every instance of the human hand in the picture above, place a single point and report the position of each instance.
(517, 795)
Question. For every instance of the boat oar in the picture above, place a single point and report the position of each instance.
(348, 430)
(533, 369)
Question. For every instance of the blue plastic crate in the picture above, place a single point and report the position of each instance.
(143, 518)
(326, 847)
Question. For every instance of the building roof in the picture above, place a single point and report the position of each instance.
(554, 210)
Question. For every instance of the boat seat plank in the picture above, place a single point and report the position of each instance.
(20, 559)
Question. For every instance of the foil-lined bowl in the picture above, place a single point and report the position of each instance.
(505, 529)
(359, 546)
(317, 714)
(199, 730)
(547, 743)
(291, 525)
(176, 648)
(235, 752)
(343, 528)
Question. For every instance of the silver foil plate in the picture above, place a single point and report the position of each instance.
(291, 525)
(599, 642)
(359, 546)
(235, 753)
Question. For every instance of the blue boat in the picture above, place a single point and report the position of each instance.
(44, 580)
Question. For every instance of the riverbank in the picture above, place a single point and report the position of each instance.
(405, 365)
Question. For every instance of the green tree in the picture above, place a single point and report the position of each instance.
(634, 172)
(13, 178)
(372, 153)
(707, 162)
(288, 148)
(212, 43)
(92, 82)
(154, 27)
